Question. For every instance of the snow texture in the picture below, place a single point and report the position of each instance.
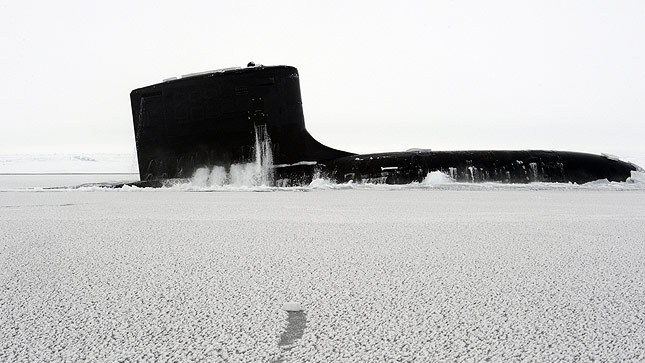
(422, 273)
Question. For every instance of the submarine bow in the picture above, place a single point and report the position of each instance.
(211, 119)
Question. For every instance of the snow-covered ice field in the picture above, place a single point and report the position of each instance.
(418, 273)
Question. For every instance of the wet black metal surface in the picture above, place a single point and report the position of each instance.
(207, 120)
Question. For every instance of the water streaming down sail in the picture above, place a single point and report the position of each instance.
(263, 156)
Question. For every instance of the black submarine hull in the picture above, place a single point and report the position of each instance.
(212, 118)
(506, 166)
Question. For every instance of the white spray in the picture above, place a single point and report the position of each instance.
(263, 156)
(258, 172)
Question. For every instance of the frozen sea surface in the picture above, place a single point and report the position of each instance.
(435, 273)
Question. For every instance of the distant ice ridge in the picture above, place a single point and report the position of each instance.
(68, 163)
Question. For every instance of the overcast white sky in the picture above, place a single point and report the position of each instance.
(375, 75)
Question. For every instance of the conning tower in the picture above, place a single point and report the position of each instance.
(209, 118)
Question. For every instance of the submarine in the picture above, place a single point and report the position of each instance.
(226, 117)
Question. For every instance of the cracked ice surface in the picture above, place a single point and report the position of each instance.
(404, 275)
